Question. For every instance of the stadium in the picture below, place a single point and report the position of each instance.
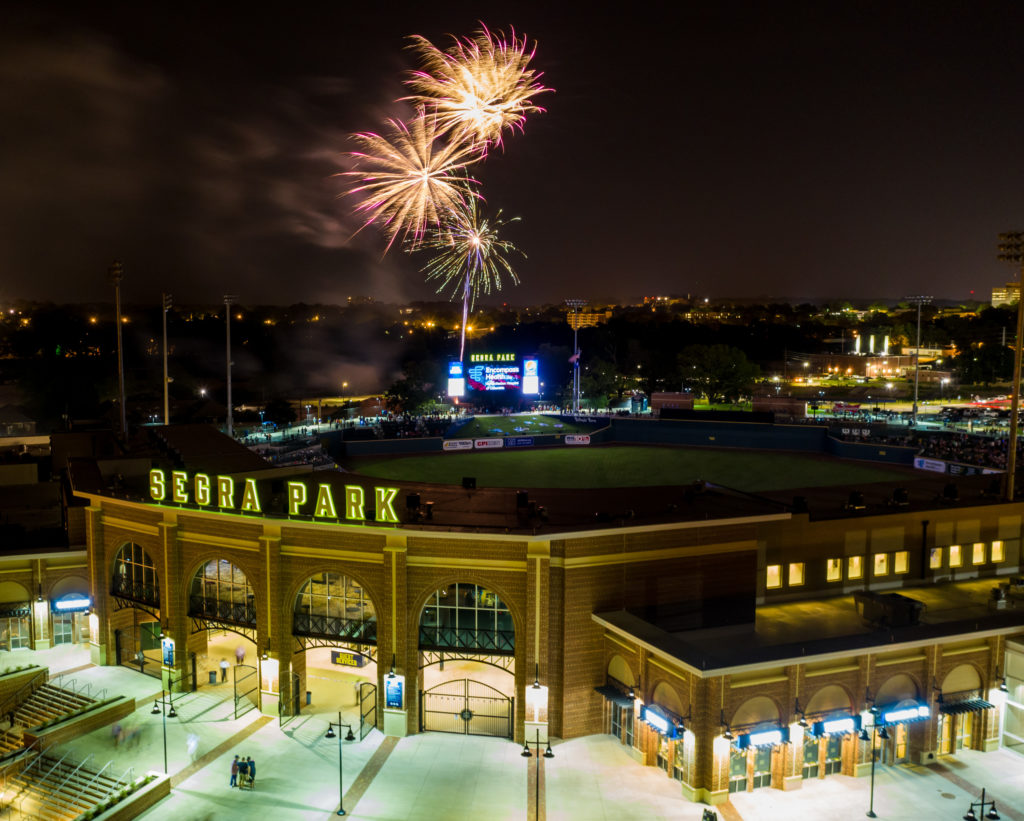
(720, 596)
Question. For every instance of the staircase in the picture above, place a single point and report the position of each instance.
(61, 789)
(47, 703)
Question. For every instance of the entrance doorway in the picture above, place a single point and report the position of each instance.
(466, 707)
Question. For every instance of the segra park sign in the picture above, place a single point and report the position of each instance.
(228, 494)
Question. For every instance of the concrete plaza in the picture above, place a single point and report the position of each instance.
(451, 777)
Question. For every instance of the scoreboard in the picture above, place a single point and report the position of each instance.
(494, 372)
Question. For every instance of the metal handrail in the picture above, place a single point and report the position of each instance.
(128, 776)
(240, 613)
(433, 637)
(16, 697)
(97, 775)
(330, 627)
(56, 791)
(38, 759)
(124, 588)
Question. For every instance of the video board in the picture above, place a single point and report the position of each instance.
(456, 378)
(493, 376)
(494, 373)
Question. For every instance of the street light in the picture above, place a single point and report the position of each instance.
(348, 737)
(919, 301)
(575, 304)
(942, 387)
(115, 274)
(527, 754)
(992, 814)
(159, 708)
(883, 734)
(166, 300)
(229, 300)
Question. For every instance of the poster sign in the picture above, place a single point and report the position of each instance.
(167, 646)
(393, 692)
(519, 441)
(457, 444)
(577, 439)
(488, 444)
(346, 658)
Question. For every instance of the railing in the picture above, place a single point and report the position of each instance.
(240, 613)
(56, 792)
(334, 627)
(125, 588)
(83, 690)
(23, 758)
(499, 642)
(11, 703)
(43, 779)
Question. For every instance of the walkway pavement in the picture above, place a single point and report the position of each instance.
(452, 777)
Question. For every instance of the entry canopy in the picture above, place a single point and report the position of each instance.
(968, 705)
(661, 720)
(837, 725)
(904, 712)
(763, 737)
(614, 695)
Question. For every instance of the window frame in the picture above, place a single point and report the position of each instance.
(793, 569)
(854, 567)
(777, 568)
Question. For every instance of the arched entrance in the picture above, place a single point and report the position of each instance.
(467, 662)
(69, 605)
(222, 611)
(135, 590)
(15, 617)
(335, 624)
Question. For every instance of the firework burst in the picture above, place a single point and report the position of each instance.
(471, 256)
(408, 179)
(479, 87)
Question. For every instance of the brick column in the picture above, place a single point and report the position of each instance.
(174, 601)
(274, 626)
(397, 634)
(99, 585)
(534, 645)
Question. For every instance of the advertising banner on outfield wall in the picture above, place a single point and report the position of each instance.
(457, 444)
(577, 439)
(518, 441)
(488, 444)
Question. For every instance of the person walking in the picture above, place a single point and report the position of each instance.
(224, 670)
(234, 772)
(239, 654)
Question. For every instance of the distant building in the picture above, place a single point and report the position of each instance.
(583, 319)
(1008, 294)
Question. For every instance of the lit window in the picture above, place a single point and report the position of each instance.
(978, 553)
(834, 570)
(773, 576)
(997, 552)
(900, 561)
(855, 567)
(796, 574)
(935, 558)
(881, 564)
(955, 558)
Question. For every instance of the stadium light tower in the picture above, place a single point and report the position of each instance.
(115, 274)
(229, 300)
(575, 304)
(918, 300)
(1011, 249)
(166, 298)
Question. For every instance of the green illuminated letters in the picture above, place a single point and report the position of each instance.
(250, 498)
(385, 497)
(202, 485)
(178, 480)
(225, 492)
(325, 503)
(157, 488)
(354, 502)
(296, 497)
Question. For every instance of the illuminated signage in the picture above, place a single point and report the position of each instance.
(71, 604)
(766, 738)
(496, 377)
(456, 379)
(531, 377)
(298, 497)
(838, 726)
(346, 658)
(906, 714)
(492, 357)
(393, 687)
(654, 719)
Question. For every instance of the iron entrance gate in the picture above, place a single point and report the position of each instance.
(466, 706)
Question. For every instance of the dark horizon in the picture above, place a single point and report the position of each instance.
(863, 149)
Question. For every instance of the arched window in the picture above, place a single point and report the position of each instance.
(467, 617)
(135, 576)
(332, 606)
(221, 592)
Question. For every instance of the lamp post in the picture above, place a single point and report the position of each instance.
(575, 304)
(919, 301)
(164, 706)
(115, 275)
(229, 299)
(348, 737)
(883, 734)
(991, 814)
(1011, 249)
(527, 754)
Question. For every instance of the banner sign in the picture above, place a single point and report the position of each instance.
(929, 464)
(519, 441)
(577, 439)
(457, 444)
(346, 658)
(485, 444)
(393, 693)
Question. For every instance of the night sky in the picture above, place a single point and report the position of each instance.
(798, 151)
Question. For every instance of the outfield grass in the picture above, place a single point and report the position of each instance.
(519, 425)
(628, 467)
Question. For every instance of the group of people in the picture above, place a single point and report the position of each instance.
(125, 736)
(243, 773)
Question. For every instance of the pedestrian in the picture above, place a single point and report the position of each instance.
(234, 772)
(115, 731)
(252, 772)
(243, 774)
(192, 744)
(224, 670)
(240, 654)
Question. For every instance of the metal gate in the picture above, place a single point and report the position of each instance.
(367, 708)
(468, 707)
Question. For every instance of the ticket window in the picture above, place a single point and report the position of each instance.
(665, 756)
(834, 754)
(762, 767)
(737, 770)
(811, 746)
(622, 724)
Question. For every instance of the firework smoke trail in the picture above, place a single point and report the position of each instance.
(479, 86)
(471, 256)
(408, 179)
